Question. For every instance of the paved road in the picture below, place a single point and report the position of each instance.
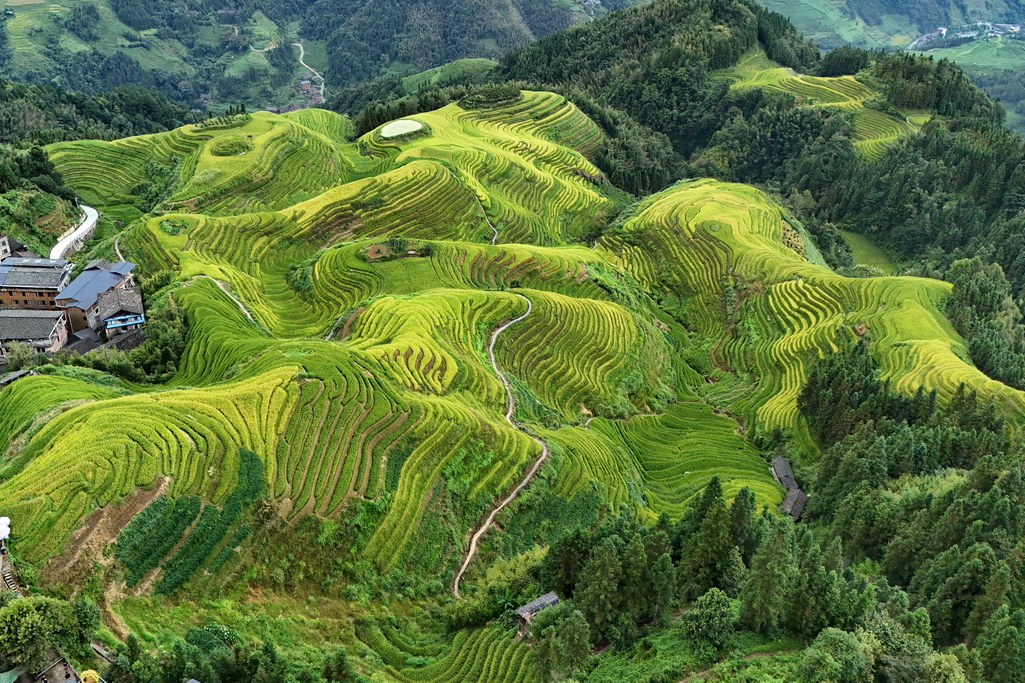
(87, 224)
(302, 55)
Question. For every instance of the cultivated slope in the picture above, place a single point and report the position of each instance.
(337, 364)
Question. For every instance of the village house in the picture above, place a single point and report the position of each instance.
(18, 250)
(32, 283)
(533, 608)
(5, 247)
(795, 499)
(44, 331)
(81, 298)
(121, 310)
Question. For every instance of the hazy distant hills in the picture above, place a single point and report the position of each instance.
(882, 23)
(237, 51)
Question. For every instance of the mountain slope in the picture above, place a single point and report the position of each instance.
(247, 51)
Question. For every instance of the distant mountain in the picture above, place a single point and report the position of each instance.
(884, 23)
(243, 51)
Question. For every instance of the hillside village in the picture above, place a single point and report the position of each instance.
(44, 307)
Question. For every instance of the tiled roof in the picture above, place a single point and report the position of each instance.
(38, 278)
(57, 263)
(538, 604)
(84, 289)
(116, 301)
(25, 325)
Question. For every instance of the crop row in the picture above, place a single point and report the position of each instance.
(706, 236)
(569, 350)
(153, 532)
(484, 655)
(669, 457)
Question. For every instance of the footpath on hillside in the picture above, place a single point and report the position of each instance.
(510, 408)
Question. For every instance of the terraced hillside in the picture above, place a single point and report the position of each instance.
(873, 129)
(335, 349)
(342, 298)
(765, 312)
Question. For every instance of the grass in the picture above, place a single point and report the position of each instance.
(985, 55)
(830, 24)
(451, 71)
(867, 253)
(32, 27)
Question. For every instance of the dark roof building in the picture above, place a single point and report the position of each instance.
(84, 341)
(32, 282)
(81, 297)
(7, 379)
(121, 309)
(795, 499)
(45, 331)
(532, 608)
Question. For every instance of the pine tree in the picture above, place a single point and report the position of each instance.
(989, 602)
(636, 588)
(1002, 645)
(765, 598)
(732, 573)
(564, 561)
(575, 634)
(705, 553)
(337, 668)
(597, 593)
(742, 528)
(662, 579)
(691, 520)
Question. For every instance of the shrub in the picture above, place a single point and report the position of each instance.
(231, 145)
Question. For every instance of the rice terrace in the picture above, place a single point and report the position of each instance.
(414, 363)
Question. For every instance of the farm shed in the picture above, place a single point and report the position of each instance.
(535, 606)
(793, 504)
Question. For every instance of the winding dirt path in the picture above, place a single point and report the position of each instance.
(117, 248)
(302, 56)
(231, 296)
(510, 408)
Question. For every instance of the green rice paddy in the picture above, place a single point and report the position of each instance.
(867, 253)
(340, 296)
(873, 130)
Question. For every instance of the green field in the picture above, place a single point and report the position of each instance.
(867, 253)
(989, 54)
(873, 130)
(341, 296)
(33, 27)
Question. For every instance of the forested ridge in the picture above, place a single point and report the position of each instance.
(241, 50)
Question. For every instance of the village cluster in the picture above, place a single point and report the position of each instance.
(42, 306)
(982, 29)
